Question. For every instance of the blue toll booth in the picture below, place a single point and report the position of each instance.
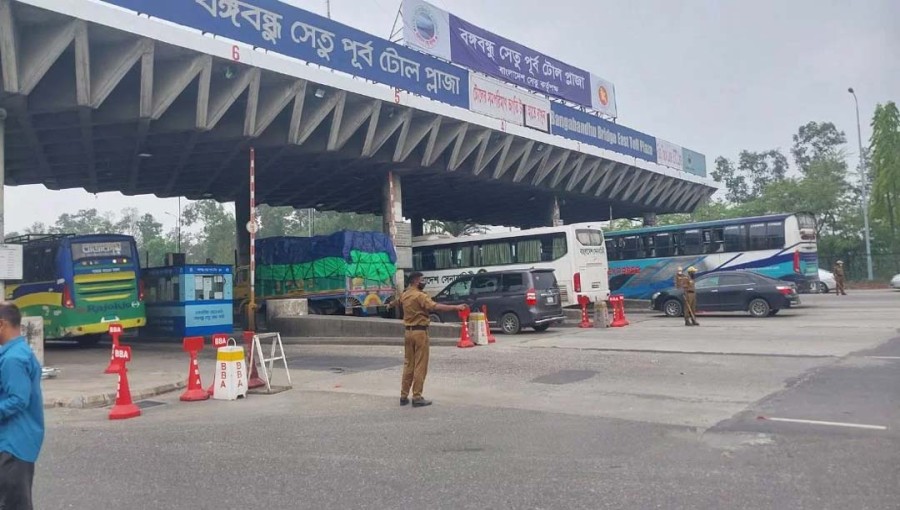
(189, 300)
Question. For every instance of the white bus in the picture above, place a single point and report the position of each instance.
(576, 253)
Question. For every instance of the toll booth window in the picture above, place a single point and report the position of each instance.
(758, 236)
(775, 235)
(513, 282)
(736, 238)
(691, 242)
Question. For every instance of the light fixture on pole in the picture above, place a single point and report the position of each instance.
(865, 189)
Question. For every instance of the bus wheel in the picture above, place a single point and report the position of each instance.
(510, 323)
(673, 308)
(88, 340)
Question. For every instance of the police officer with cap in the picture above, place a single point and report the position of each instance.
(690, 297)
(417, 307)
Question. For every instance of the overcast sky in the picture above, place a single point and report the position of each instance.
(715, 76)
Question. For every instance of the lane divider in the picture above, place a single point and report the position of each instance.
(825, 423)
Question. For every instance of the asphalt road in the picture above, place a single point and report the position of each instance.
(652, 416)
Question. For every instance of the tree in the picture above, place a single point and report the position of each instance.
(216, 238)
(454, 228)
(754, 171)
(85, 221)
(815, 141)
(885, 168)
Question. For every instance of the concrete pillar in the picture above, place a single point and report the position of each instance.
(418, 226)
(650, 219)
(553, 217)
(242, 239)
(399, 231)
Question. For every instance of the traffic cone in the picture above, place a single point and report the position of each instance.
(487, 324)
(619, 320)
(464, 340)
(124, 407)
(194, 391)
(115, 364)
(585, 318)
(254, 381)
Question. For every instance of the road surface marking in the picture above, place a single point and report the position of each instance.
(827, 423)
(884, 357)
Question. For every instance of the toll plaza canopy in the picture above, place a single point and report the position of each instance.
(166, 97)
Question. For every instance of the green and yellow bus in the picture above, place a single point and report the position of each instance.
(79, 284)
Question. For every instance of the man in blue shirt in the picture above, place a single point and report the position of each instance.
(21, 412)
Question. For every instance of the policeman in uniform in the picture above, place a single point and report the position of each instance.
(679, 278)
(417, 306)
(690, 297)
(838, 271)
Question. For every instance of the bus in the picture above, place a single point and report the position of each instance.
(782, 246)
(79, 284)
(576, 253)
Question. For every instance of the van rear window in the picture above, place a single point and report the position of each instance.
(544, 280)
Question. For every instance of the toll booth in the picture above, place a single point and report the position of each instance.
(189, 300)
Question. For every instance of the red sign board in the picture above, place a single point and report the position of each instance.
(193, 344)
(219, 340)
(115, 329)
(122, 353)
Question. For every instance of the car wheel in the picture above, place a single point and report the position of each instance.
(510, 324)
(435, 318)
(773, 313)
(759, 307)
(673, 308)
(541, 328)
(823, 288)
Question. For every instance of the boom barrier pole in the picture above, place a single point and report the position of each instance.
(251, 228)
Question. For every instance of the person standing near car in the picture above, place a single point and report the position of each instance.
(21, 412)
(417, 307)
(838, 271)
(689, 287)
(679, 278)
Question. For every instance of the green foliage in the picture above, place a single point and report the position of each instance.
(885, 168)
(287, 221)
(215, 239)
(454, 228)
(815, 141)
(754, 171)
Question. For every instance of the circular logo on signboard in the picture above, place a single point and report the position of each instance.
(425, 27)
(603, 95)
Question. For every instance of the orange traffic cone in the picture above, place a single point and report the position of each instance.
(619, 320)
(584, 301)
(487, 324)
(124, 407)
(464, 340)
(194, 391)
(115, 365)
(255, 381)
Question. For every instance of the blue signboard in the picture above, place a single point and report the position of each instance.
(290, 31)
(592, 130)
(189, 300)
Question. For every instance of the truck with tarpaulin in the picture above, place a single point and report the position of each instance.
(345, 272)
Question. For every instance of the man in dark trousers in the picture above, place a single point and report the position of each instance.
(690, 298)
(838, 271)
(417, 306)
(21, 412)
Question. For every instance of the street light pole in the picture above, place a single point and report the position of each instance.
(865, 189)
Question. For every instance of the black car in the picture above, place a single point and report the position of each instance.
(731, 292)
(515, 299)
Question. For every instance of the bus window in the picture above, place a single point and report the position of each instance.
(775, 235)
(443, 258)
(589, 237)
(735, 238)
(758, 236)
(632, 248)
(663, 245)
(493, 254)
(528, 250)
(40, 264)
(612, 249)
(425, 260)
(647, 242)
(558, 248)
(691, 243)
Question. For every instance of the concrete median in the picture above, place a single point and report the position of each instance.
(332, 329)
